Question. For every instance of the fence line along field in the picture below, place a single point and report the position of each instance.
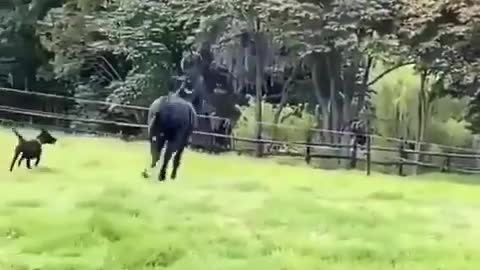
(87, 207)
(398, 155)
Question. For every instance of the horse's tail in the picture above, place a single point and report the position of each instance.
(152, 126)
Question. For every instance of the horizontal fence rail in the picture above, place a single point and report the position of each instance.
(309, 146)
(135, 107)
(142, 108)
(100, 121)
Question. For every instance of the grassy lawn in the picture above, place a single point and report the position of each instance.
(87, 207)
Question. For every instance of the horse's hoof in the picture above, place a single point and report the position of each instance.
(145, 174)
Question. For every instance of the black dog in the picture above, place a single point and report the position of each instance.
(31, 149)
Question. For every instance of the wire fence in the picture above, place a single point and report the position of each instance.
(142, 108)
(308, 147)
(101, 121)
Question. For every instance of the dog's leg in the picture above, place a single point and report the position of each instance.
(17, 153)
(20, 160)
(29, 165)
(37, 161)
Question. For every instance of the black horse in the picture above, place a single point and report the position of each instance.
(358, 130)
(171, 120)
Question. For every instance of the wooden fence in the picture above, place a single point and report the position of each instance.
(308, 153)
(400, 163)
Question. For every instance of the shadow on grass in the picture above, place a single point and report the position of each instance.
(386, 196)
(25, 203)
(91, 164)
(47, 170)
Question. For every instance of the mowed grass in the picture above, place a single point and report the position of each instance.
(87, 207)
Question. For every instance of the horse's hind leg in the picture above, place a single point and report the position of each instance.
(166, 158)
(156, 149)
(176, 161)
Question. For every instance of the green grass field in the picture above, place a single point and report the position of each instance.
(87, 207)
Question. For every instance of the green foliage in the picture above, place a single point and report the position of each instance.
(141, 39)
(473, 115)
(442, 37)
(127, 50)
(294, 127)
(396, 104)
(19, 40)
(450, 132)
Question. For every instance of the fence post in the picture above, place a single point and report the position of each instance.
(353, 155)
(232, 141)
(402, 155)
(308, 148)
(446, 164)
(369, 154)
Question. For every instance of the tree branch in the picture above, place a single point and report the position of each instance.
(364, 88)
(286, 90)
(366, 74)
(388, 71)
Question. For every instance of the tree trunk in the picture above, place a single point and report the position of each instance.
(284, 95)
(333, 100)
(421, 118)
(364, 88)
(283, 100)
(346, 138)
(258, 89)
(322, 101)
(258, 110)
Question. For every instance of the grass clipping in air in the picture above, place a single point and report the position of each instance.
(87, 207)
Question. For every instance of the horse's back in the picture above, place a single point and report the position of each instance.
(180, 113)
(174, 117)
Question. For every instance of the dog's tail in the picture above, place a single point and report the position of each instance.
(19, 136)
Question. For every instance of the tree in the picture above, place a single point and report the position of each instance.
(122, 51)
(341, 41)
(237, 23)
(437, 36)
(20, 41)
